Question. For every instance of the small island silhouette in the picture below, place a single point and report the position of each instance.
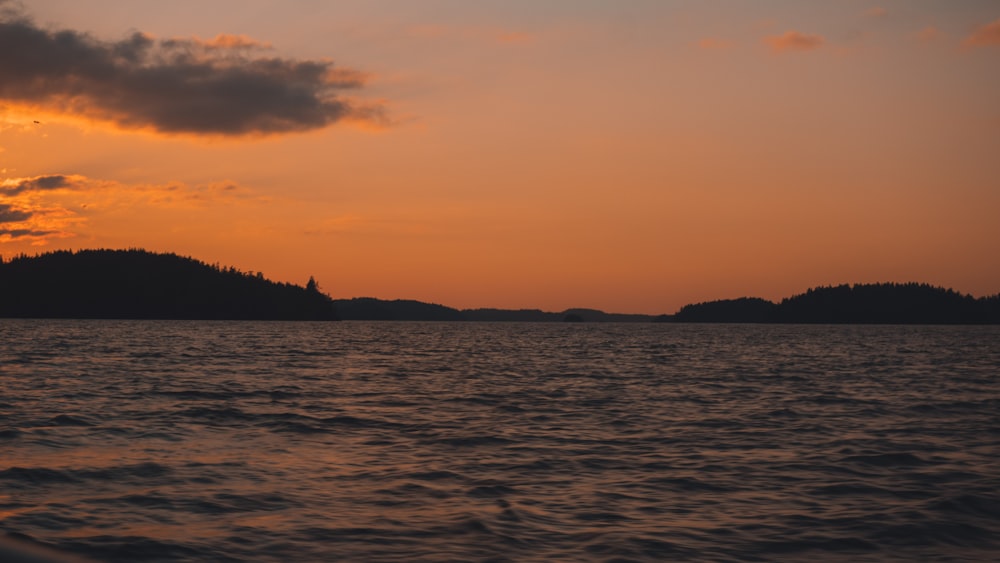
(138, 284)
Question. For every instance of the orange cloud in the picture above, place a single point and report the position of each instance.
(793, 41)
(988, 34)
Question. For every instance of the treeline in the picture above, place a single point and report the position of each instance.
(881, 303)
(137, 284)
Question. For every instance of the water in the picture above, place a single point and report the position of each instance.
(227, 441)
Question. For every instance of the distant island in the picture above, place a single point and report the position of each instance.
(137, 284)
(879, 303)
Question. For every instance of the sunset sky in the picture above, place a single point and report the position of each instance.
(631, 156)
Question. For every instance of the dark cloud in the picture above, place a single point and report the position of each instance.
(224, 86)
(20, 233)
(11, 214)
(38, 183)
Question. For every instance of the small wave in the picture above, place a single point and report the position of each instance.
(934, 533)
(218, 415)
(812, 543)
(301, 424)
(886, 460)
(432, 475)
(138, 548)
(471, 441)
(71, 420)
(490, 491)
(970, 505)
(409, 491)
(44, 475)
(688, 484)
(844, 489)
(36, 476)
(601, 517)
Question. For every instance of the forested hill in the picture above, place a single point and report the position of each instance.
(883, 303)
(136, 284)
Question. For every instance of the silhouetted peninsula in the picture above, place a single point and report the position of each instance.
(136, 284)
(881, 303)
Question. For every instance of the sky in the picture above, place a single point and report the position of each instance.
(631, 156)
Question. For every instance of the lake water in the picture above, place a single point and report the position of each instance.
(353, 441)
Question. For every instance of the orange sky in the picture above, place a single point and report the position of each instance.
(629, 156)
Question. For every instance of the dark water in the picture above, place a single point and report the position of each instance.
(165, 441)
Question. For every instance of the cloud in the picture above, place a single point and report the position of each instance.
(25, 233)
(223, 41)
(38, 183)
(23, 203)
(226, 86)
(986, 35)
(11, 214)
(793, 41)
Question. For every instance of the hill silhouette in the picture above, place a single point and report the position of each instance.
(136, 284)
(880, 303)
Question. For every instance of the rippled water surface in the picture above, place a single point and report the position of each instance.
(165, 441)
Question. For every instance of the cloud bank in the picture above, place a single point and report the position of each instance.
(223, 86)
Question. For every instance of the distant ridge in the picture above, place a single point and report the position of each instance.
(879, 303)
(136, 284)
(372, 309)
(885, 303)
